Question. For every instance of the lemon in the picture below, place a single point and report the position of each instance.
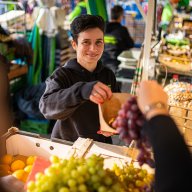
(21, 175)
(16, 165)
(6, 159)
(30, 160)
(25, 177)
(28, 168)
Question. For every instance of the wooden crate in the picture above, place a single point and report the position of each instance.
(183, 118)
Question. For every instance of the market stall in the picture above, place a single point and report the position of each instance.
(86, 165)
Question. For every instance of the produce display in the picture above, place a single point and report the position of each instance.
(19, 166)
(177, 44)
(175, 52)
(88, 175)
(180, 94)
(129, 124)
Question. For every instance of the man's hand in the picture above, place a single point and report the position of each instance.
(100, 93)
(105, 133)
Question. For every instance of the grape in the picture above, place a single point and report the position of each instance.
(64, 189)
(76, 174)
(134, 179)
(128, 124)
(82, 188)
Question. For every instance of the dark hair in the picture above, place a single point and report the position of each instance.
(116, 12)
(84, 22)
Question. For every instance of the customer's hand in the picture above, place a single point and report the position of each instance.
(150, 92)
(11, 184)
(100, 93)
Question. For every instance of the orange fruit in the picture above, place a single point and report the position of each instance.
(4, 173)
(6, 159)
(21, 175)
(16, 165)
(25, 177)
(30, 160)
(4, 167)
(4, 170)
(20, 157)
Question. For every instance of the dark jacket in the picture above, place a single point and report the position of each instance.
(123, 41)
(172, 157)
(66, 99)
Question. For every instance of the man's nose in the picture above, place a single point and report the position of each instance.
(93, 47)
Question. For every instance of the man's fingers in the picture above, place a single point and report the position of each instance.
(95, 99)
(105, 133)
(104, 91)
(100, 93)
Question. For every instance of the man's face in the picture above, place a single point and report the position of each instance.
(89, 46)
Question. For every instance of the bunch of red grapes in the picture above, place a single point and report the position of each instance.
(129, 123)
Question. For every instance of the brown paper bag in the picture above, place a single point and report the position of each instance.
(109, 110)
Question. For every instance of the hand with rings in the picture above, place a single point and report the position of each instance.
(100, 93)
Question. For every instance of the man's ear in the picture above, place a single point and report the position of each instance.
(74, 44)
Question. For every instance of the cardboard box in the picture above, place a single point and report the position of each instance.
(25, 143)
(18, 142)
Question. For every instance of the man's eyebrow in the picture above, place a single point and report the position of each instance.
(86, 39)
(100, 39)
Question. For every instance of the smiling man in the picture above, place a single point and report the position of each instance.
(74, 90)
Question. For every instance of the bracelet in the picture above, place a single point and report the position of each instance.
(156, 105)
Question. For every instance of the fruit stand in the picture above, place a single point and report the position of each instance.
(30, 156)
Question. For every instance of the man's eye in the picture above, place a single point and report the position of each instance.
(99, 43)
(85, 43)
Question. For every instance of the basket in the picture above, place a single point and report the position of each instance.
(167, 60)
(183, 119)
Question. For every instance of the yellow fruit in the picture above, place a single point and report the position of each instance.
(20, 157)
(30, 160)
(25, 176)
(6, 159)
(21, 175)
(16, 165)
(28, 168)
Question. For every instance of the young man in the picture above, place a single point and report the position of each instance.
(73, 91)
(117, 39)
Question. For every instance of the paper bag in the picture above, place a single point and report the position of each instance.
(109, 109)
